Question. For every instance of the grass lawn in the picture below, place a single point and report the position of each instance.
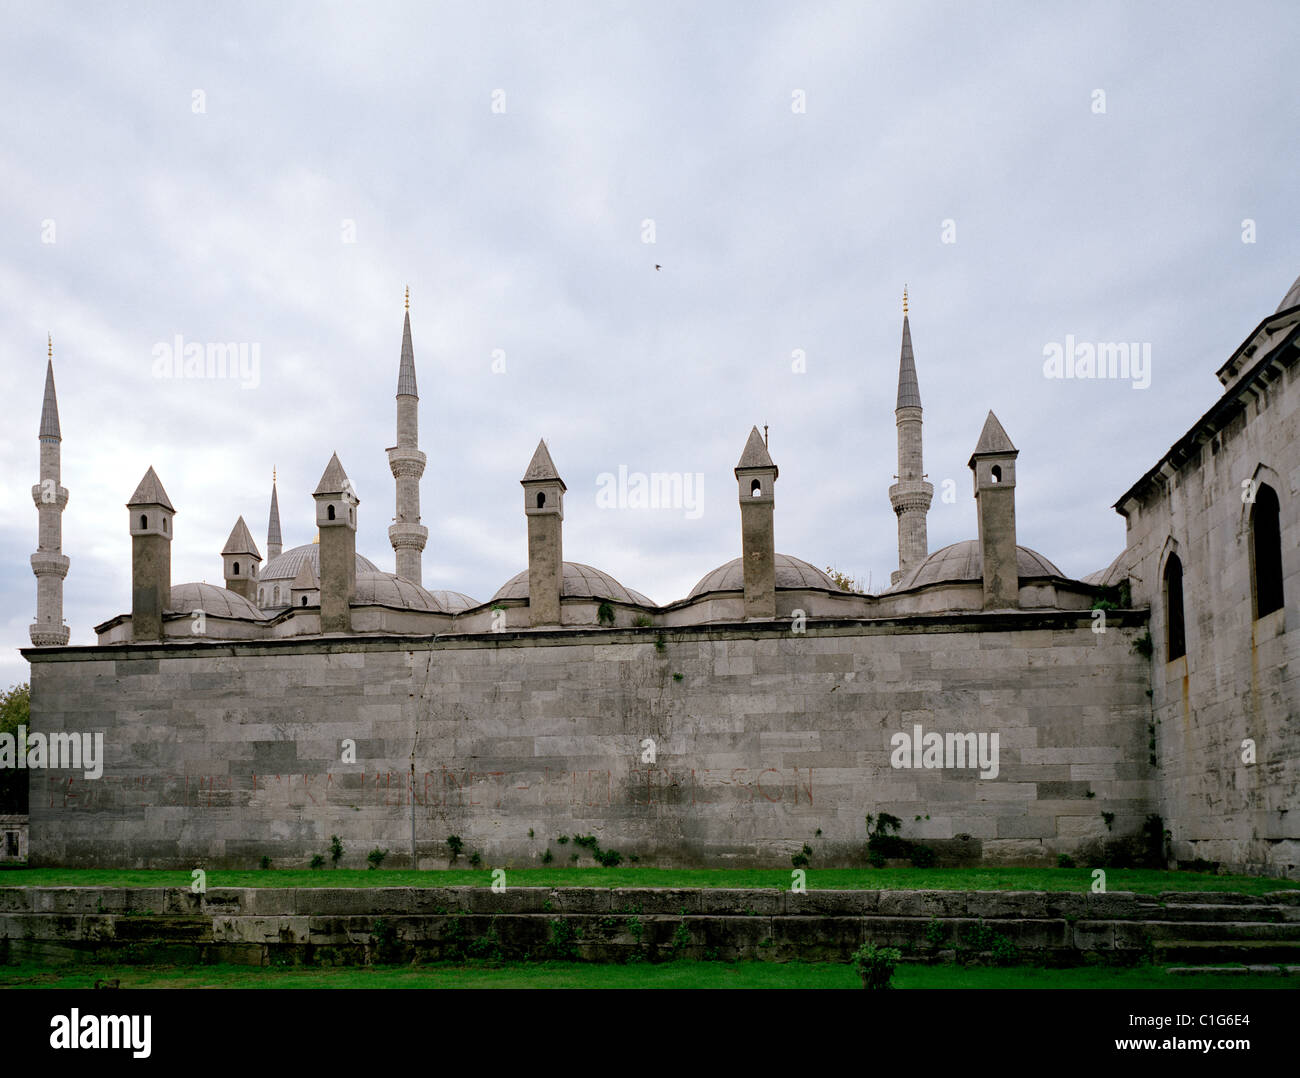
(1143, 881)
(681, 974)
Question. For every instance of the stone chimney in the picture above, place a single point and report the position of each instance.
(994, 465)
(336, 517)
(151, 513)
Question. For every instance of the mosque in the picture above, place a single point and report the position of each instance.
(1163, 683)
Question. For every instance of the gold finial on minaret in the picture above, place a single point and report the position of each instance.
(905, 299)
(408, 297)
(272, 474)
(50, 339)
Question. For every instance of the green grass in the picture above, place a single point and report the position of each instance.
(1142, 881)
(681, 974)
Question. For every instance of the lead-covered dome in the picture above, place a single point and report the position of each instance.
(962, 562)
(580, 582)
(284, 567)
(790, 573)
(218, 602)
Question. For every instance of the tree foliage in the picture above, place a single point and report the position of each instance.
(15, 711)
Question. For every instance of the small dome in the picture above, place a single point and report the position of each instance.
(580, 582)
(219, 602)
(385, 589)
(962, 561)
(1291, 299)
(284, 567)
(790, 573)
(1110, 576)
(454, 601)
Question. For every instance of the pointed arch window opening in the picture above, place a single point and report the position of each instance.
(1266, 552)
(1175, 618)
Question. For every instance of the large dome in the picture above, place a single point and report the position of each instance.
(1291, 299)
(285, 566)
(790, 573)
(580, 582)
(1111, 575)
(962, 562)
(219, 602)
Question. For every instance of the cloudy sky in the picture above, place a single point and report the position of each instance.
(275, 175)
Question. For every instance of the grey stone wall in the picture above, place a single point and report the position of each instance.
(219, 753)
(1240, 678)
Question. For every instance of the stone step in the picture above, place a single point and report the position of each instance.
(1192, 971)
(1210, 912)
(1210, 930)
(1245, 952)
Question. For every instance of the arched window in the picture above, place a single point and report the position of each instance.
(1266, 551)
(330, 514)
(164, 525)
(304, 600)
(756, 489)
(236, 568)
(1175, 625)
(144, 521)
(350, 516)
(996, 473)
(276, 594)
(261, 596)
(541, 500)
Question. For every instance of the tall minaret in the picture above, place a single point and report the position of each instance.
(49, 563)
(274, 544)
(407, 534)
(911, 495)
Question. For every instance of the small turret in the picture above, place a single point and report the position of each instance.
(336, 517)
(994, 467)
(150, 513)
(305, 589)
(756, 480)
(544, 510)
(240, 561)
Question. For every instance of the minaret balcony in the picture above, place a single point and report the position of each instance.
(48, 563)
(406, 463)
(45, 501)
(47, 636)
(403, 535)
(911, 496)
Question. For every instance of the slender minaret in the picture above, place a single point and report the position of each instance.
(756, 477)
(151, 513)
(407, 534)
(544, 509)
(49, 563)
(239, 560)
(336, 517)
(911, 495)
(994, 465)
(273, 542)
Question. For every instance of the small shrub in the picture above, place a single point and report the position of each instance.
(661, 645)
(681, 935)
(475, 859)
(876, 965)
(923, 856)
(530, 832)
(376, 857)
(562, 839)
(800, 859)
(642, 621)
(547, 857)
(1064, 860)
(317, 861)
(934, 933)
(1005, 953)
(605, 614)
(336, 850)
(266, 861)
(1144, 645)
(677, 677)
(562, 942)
(1109, 818)
(455, 844)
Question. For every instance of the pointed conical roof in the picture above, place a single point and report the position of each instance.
(406, 369)
(150, 492)
(334, 480)
(541, 467)
(241, 541)
(909, 391)
(273, 524)
(306, 577)
(993, 440)
(755, 454)
(50, 407)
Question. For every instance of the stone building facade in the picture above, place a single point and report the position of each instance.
(981, 699)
